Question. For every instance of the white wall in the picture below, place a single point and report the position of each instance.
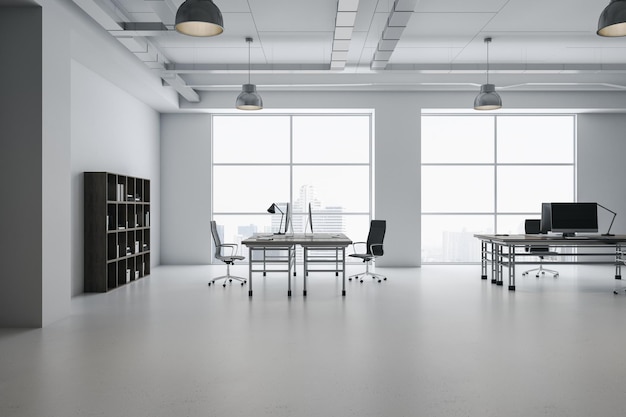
(48, 147)
(186, 188)
(397, 154)
(601, 167)
(56, 216)
(115, 132)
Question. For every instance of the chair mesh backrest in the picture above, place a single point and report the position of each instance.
(532, 226)
(216, 239)
(376, 236)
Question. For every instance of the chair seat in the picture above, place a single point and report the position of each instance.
(364, 256)
(544, 253)
(232, 258)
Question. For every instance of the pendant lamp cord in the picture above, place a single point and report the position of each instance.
(487, 62)
(487, 41)
(249, 40)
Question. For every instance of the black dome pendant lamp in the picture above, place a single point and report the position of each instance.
(199, 18)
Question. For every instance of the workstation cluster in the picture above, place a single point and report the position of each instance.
(568, 233)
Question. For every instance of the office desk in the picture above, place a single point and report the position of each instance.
(267, 247)
(508, 251)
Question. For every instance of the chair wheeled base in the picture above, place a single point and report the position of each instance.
(542, 271)
(367, 273)
(228, 277)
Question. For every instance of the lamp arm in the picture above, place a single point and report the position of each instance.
(608, 232)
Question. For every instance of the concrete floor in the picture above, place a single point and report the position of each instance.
(431, 341)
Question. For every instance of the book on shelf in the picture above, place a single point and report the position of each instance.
(127, 275)
(120, 192)
(137, 247)
(136, 274)
(147, 219)
(128, 251)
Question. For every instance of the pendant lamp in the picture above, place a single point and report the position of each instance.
(199, 18)
(487, 99)
(612, 20)
(249, 99)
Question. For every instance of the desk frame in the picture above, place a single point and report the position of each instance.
(501, 252)
(313, 242)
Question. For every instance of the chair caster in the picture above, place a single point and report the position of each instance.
(209, 284)
(379, 281)
(361, 281)
(385, 279)
(242, 284)
(224, 285)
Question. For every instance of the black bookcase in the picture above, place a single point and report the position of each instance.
(117, 230)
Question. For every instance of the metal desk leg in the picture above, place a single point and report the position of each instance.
(250, 271)
(306, 271)
(264, 265)
(618, 261)
(500, 267)
(289, 272)
(483, 259)
(336, 262)
(511, 268)
(494, 264)
(343, 279)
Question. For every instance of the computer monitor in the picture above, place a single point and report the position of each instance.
(572, 218)
(287, 218)
(309, 220)
(546, 218)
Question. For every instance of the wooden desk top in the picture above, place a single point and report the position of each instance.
(553, 239)
(315, 239)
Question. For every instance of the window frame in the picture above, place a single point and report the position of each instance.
(495, 164)
(369, 114)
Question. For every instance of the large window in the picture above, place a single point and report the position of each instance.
(486, 174)
(321, 159)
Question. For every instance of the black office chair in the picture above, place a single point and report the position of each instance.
(227, 259)
(533, 227)
(373, 249)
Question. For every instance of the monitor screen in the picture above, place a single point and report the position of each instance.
(570, 218)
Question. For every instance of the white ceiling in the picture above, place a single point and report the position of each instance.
(537, 45)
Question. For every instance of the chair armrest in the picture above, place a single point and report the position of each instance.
(354, 249)
(234, 248)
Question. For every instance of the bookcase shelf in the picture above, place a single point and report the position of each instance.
(117, 230)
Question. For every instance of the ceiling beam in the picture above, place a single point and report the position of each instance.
(399, 17)
(134, 36)
(178, 84)
(344, 26)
